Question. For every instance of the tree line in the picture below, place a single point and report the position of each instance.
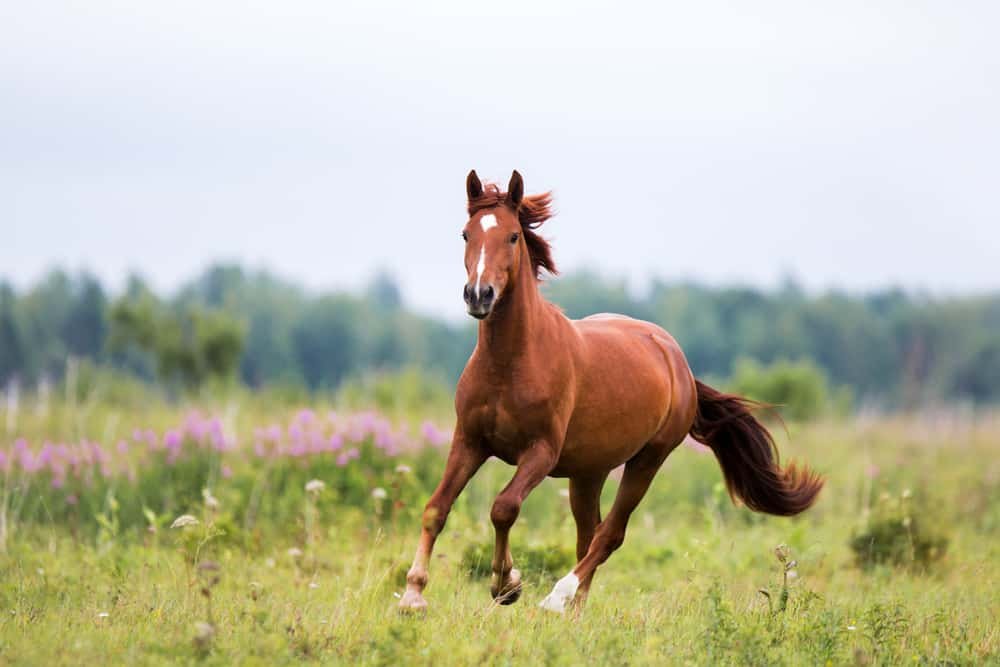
(897, 348)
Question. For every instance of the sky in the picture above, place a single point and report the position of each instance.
(854, 146)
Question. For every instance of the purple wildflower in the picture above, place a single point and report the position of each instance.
(433, 435)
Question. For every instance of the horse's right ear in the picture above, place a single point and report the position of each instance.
(473, 188)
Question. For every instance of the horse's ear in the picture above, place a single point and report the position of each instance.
(473, 188)
(515, 190)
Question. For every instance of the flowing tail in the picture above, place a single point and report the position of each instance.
(749, 457)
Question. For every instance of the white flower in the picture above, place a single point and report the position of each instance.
(313, 584)
(314, 486)
(564, 493)
(403, 469)
(907, 493)
(204, 631)
(211, 502)
(103, 614)
(852, 628)
(295, 553)
(378, 493)
(184, 520)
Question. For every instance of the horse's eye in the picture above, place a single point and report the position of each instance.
(514, 237)
(465, 236)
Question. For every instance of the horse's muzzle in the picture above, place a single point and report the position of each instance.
(479, 303)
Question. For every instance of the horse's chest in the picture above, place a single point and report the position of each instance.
(506, 427)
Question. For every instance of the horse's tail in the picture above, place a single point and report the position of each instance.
(749, 457)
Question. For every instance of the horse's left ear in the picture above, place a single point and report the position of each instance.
(515, 190)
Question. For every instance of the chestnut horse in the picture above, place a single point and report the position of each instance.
(562, 398)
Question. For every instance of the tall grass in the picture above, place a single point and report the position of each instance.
(292, 552)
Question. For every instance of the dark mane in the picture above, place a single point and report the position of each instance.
(533, 211)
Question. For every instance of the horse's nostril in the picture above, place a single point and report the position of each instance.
(467, 293)
(488, 293)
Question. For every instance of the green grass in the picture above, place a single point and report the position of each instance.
(684, 589)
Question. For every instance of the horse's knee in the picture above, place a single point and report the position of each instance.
(434, 518)
(504, 512)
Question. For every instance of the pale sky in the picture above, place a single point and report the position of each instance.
(855, 146)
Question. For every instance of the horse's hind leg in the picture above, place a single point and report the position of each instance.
(585, 501)
(610, 534)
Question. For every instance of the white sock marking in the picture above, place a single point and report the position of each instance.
(488, 222)
(480, 267)
(562, 594)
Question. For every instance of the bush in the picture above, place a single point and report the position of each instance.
(799, 388)
(899, 534)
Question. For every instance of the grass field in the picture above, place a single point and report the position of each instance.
(273, 574)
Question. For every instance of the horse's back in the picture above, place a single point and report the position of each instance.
(633, 344)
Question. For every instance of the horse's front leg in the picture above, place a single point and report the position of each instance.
(533, 466)
(463, 462)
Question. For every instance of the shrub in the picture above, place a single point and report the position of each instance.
(899, 534)
(799, 388)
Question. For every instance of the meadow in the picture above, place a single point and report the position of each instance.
(240, 530)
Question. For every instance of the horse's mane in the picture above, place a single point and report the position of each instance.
(533, 211)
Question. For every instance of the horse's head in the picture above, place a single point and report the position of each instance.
(494, 243)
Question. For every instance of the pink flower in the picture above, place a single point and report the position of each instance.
(305, 416)
(696, 446)
(433, 434)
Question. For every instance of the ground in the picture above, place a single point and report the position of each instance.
(686, 588)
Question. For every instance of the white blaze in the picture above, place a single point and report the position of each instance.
(481, 266)
(488, 222)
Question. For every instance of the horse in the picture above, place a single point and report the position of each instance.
(555, 397)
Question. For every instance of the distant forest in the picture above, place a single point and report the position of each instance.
(892, 347)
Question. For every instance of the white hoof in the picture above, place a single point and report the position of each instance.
(562, 594)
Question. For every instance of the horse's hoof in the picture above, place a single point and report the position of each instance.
(511, 592)
(412, 602)
(510, 597)
(562, 594)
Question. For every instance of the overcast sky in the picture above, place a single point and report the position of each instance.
(856, 146)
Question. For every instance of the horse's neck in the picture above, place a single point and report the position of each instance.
(518, 326)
